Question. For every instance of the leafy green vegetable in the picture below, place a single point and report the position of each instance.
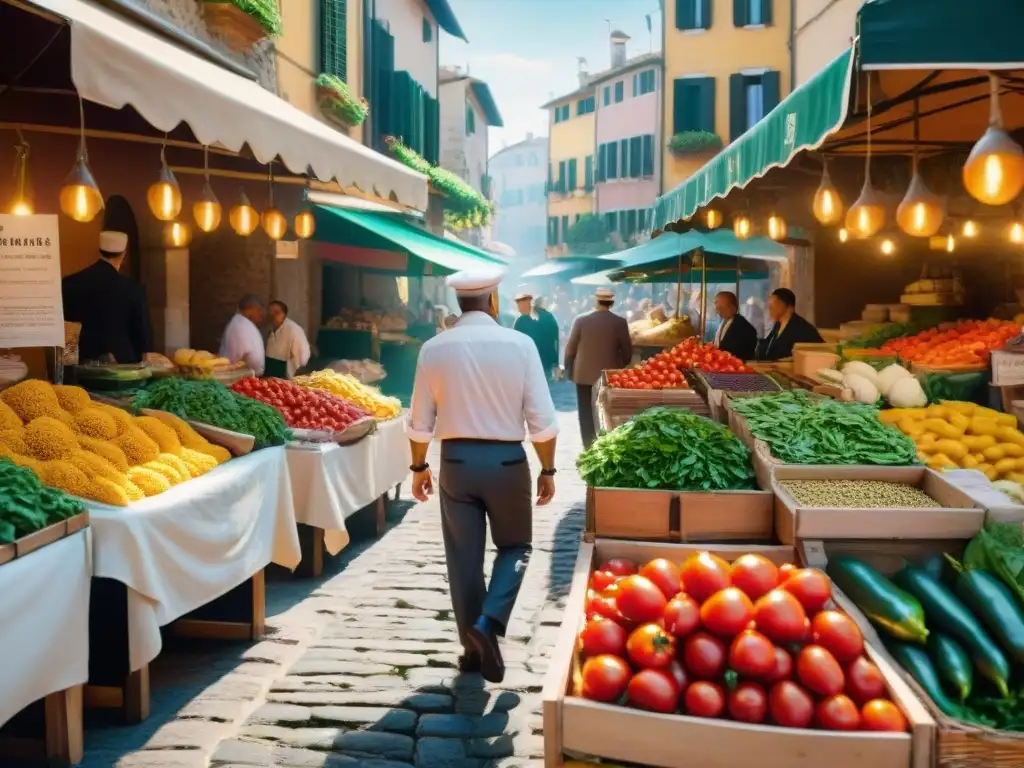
(967, 387)
(999, 549)
(669, 450)
(802, 430)
(878, 335)
(26, 505)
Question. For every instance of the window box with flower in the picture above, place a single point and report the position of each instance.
(338, 103)
(687, 143)
(242, 23)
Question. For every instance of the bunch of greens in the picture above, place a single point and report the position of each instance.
(999, 549)
(668, 450)
(26, 505)
(212, 403)
(802, 430)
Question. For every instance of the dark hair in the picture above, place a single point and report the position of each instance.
(249, 301)
(475, 303)
(786, 296)
(281, 304)
(730, 297)
(607, 303)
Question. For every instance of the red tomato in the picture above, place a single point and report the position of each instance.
(666, 576)
(681, 615)
(780, 616)
(679, 674)
(839, 634)
(654, 690)
(704, 656)
(620, 566)
(602, 579)
(756, 575)
(837, 713)
(703, 699)
(811, 587)
(882, 715)
(704, 574)
(819, 671)
(748, 703)
(752, 655)
(790, 705)
(602, 636)
(864, 681)
(638, 599)
(727, 612)
(603, 606)
(786, 570)
(650, 647)
(605, 678)
(783, 669)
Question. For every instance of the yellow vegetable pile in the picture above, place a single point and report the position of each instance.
(95, 451)
(957, 434)
(348, 387)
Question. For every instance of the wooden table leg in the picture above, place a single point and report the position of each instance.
(63, 713)
(311, 542)
(136, 696)
(259, 598)
(398, 491)
(381, 514)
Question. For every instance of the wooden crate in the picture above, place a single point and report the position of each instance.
(679, 515)
(620, 405)
(48, 535)
(958, 517)
(580, 727)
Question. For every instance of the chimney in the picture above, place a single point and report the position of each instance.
(618, 48)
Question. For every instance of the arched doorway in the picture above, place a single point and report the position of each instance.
(119, 216)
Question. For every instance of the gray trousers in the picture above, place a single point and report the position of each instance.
(480, 483)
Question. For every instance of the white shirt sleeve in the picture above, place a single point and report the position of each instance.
(538, 407)
(423, 407)
(254, 355)
(299, 354)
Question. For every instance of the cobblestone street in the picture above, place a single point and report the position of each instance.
(359, 666)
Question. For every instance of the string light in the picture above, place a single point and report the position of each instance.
(970, 229)
(741, 227)
(177, 234)
(713, 218)
(776, 228)
(1016, 233)
(887, 247)
(844, 235)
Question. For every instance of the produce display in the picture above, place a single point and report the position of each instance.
(858, 494)
(706, 357)
(876, 336)
(95, 451)
(665, 334)
(111, 376)
(966, 344)
(349, 388)
(959, 434)
(302, 408)
(957, 628)
(668, 449)
(803, 430)
(747, 641)
(210, 402)
(193, 358)
(740, 382)
(365, 371)
(26, 505)
(653, 373)
(864, 384)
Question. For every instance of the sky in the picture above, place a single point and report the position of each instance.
(527, 50)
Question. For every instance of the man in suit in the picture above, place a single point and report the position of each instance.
(599, 341)
(735, 335)
(110, 306)
(547, 336)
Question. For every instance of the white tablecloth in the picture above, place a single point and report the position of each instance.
(199, 540)
(331, 482)
(44, 622)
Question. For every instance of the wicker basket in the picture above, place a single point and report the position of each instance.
(239, 30)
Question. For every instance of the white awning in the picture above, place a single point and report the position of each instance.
(117, 63)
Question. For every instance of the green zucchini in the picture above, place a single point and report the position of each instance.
(916, 662)
(885, 604)
(994, 603)
(938, 567)
(952, 664)
(945, 613)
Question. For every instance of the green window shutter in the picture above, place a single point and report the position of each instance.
(565, 228)
(607, 95)
(630, 223)
(770, 85)
(705, 13)
(611, 162)
(648, 155)
(572, 175)
(636, 84)
(470, 120)
(431, 117)
(685, 15)
(428, 33)
(588, 173)
(602, 162)
(680, 92)
(561, 175)
(551, 178)
(766, 13)
(624, 158)
(333, 38)
(619, 89)
(706, 104)
(737, 106)
(635, 157)
(740, 13)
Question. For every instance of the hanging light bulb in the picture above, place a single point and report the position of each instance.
(304, 222)
(243, 217)
(867, 215)
(712, 218)
(177, 234)
(273, 221)
(827, 205)
(921, 212)
(844, 235)
(21, 201)
(970, 229)
(80, 198)
(887, 247)
(164, 194)
(994, 171)
(207, 210)
(741, 227)
(1016, 233)
(950, 243)
(776, 227)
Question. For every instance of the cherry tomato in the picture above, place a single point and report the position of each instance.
(602, 580)
(748, 703)
(650, 647)
(752, 655)
(882, 715)
(780, 617)
(756, 575)
(599, 604)
(837, 713)
(819, 671)
(783, 669)
(727, 612)
(654, 690)
(839, 634)
(605, 677)
(638, 599)
(602, 635)
(681, 616)
(666, 576)
(864, 681)
(704, 699)
(704, 574)
(811, 587)
(704, 656)
(620, 566)
(786, 570)
(790, 705)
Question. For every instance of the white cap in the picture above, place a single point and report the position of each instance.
(523, 296)
(113, 242)
(476, 282)
(605, 294)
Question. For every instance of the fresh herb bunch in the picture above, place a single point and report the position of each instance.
(802, 430)
(669, 450)
(266, 12)
(26, 505)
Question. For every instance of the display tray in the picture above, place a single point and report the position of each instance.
(236, 442)
(42, 537)
(353, 433)
(620, 405)
(958, 517)
(588, 728)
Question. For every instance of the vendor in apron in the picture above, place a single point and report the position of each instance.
(287, 346)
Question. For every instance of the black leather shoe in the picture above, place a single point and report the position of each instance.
(485, 644)
(469, 663)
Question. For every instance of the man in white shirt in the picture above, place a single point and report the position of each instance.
(480, 389)
(287, 341)
(242, 340)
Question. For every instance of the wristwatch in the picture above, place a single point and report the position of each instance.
(419, 467)
(548, 472)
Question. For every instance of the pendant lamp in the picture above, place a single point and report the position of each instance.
(243, 217)
(712, 218)
(21, 201)
(994, 171)
(844, 235)
(970, 229)
(80, 197)
(776, 227)
(177, 234)
(827, 205)
(164, 194)
(887, 246)
(207, 210)
(741, 226)
(866, 216)
(921, 211)
(273, 221)
(304, 222)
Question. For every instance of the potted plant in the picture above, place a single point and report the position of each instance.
(338, 103)
(694, 143)
(242, 23)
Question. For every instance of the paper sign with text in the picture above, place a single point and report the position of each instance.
(31, 309)
(1007, 369)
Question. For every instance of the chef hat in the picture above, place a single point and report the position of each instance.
(476, 282)
(113, 242)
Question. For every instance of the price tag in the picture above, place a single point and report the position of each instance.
(1007, 369)
(814, 554)
(976, 485)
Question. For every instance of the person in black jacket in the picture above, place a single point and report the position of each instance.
(111, 307)
(735, 335)
(789, 328)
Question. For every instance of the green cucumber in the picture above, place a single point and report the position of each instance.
(885, 604)
(952, 664)
(945, 613)
(994, 603)
(938, 567)
(916, 662)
